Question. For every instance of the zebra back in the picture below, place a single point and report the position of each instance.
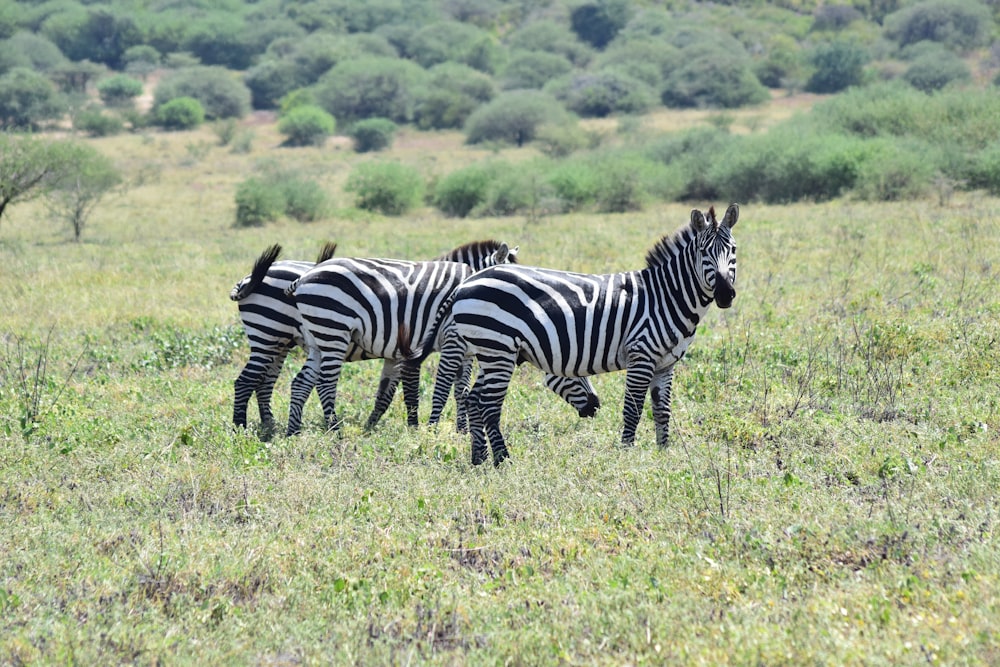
(246, 287)
(481, 254)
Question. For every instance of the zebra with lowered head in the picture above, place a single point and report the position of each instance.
(357, 308)
(577, 325)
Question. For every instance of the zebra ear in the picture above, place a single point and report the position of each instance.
(501, 254)
(698, 222)
(512, 255)
(732, 215)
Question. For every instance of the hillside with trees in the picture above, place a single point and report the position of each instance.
(513, 73)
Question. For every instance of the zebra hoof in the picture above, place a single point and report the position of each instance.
(593, 405)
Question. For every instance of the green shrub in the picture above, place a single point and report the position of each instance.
(453, 41)
(934, 71)
(896, 171)
(598, 21)
(119, 90)
(838, 65)
(305, 200)
(389, 188)
(306, 126)
(551, 37)
(713, 78)
(574, 184)
(561, 140)
(96, 123)
(258, 200)
(602, 93)
(373, 134)
(513, 189)
(984, 169)
(625, 182)
(958, 24)
(514, 117)
(219, 93)
(180, 113)
(371, 87)
(533, 69)
(270, 81)
(28, 99)
(458, 193)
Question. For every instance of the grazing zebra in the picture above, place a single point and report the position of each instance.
(272, 325)
(577, 325)
(353, 307)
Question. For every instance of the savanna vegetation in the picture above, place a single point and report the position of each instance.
(830, 492)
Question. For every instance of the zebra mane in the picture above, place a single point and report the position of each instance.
(245, 287)
(669, 246)
(480, 249)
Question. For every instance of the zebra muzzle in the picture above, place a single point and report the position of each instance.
(724, 292)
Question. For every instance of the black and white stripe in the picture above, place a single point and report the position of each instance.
(353, 309)
(577, 325)
(272, 325)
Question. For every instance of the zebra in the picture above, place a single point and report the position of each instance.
(352, 307)
(272, 325)
(578, 325)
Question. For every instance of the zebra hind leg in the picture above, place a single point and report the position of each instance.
(494, 378)
(386, 392)
(249, 381)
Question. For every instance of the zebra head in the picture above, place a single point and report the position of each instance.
(718, 253)
(502, 255)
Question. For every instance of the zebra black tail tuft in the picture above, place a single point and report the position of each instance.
(246, 287)
(328, 250)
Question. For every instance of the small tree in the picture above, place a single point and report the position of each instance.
(374, 134)
(27, 168)
(181, 113)
(27, 99)
(839, 65)
(220, 94)
(514, 117)
(119, 90)
(306, 125)
(86, 177)
(389, 188)
(258, 201)
(934, 71)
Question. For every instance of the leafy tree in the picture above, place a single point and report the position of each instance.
(713, 78)
(934, 71)
(141, 60)
(99, 34)
(258, 200)
(95, 122)
(119, 90)
(647, 59)
(86, 178)
(371, 87)
(598, 21)
(452, 93)
(461, 191)
(270, 81)
(550, 37)
(602, 93)
(306, 125)
(452, 41)
(10, 18)
(220, 94)
(783, 64)
(180, 113)
(28, 99)
(533, 69)
(25, 49)
(372, 134)
(839, 65)
(514, 117)
(388, 188)
(962, 25)
(75, 76)
(28, 166)
(222, 39)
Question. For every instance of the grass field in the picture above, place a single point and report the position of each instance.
(829, 497)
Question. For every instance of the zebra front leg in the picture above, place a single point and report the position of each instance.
(494, 378)
(411, 394)
(578, 392)
(660, 394)
(386, 392)
(302, 386)
(639, 375)
(332, 350)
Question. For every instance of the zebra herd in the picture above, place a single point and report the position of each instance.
(476, 302)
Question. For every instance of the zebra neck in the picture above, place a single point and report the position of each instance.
(677, 280)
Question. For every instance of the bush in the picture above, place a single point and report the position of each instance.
(713, 78)
(385, 187)
(373, 134)
(602, 93)
(574, 184)
(25, 49)
(551, 37)
(28, 99)
(305, 200)
(371, 87)
(452, 93)
(533, 69)
(258, 201)
(97, 123)
(461, 191)
(452, 41)
(958, 24)
(270, 81)
(119, 90)
(648, 60)
(597, 22)
(782, 66)
(306, 126)
(514, 117)
(181, 113)
(934, 71)
(839, 65)
(896, 171)
(626, 181)
(220, 94)
(561, 140)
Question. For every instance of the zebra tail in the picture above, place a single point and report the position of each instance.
(246, 287)
(326, 252)
(427, 345)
